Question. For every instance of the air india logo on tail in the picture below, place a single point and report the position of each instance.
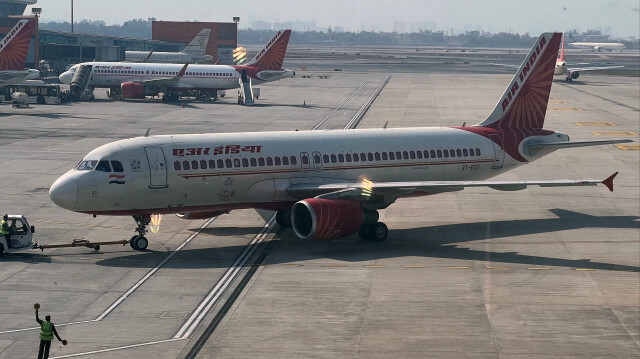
(15, 45)
(272, 55)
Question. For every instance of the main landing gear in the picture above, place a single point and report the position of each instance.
(139, 242)
(371, 229)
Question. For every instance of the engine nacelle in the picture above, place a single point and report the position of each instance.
(200, 215)
(326, 219)
(575, 75)
(136, 90)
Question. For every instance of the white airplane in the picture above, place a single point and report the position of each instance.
(598, 46)
(137, 80)
(325, 184)
(193, 53)
(572, 73)
(13, 54)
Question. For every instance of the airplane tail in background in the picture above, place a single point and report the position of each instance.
(562, 51)
(15, 45)
(198, 45)
(524, 103)
(272, 55)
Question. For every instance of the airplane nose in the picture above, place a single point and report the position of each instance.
(64, 193)
(65, 77)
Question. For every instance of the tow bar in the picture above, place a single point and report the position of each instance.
(80, 243)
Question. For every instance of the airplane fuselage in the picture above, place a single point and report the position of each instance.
(221, 172)
(216, 77)
(166, 57)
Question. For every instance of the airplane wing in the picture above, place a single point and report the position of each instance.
(6, 76)
(164, 82)
(592, 68)
(388, 192)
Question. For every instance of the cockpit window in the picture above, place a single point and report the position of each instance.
(117, 166)
(87, 165)
(103, 166)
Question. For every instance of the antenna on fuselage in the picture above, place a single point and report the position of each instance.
(385, 125)
(146, 134)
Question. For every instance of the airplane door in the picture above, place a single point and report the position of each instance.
(317, 162)
(304, 161)
(498, 151)
(157, 167)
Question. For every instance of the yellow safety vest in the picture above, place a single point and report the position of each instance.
(46, 332)
(3, 224)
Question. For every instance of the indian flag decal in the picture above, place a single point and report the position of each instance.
(119, 179)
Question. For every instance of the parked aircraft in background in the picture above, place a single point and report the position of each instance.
(598, 46)
(324, 184)
(193, 53)
(572, 73)
(13, 54)
(137, 80)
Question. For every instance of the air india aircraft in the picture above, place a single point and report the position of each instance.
(324, 184)
(13, 54)
(193, 53)
(573, 73)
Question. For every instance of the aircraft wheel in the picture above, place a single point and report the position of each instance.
(139, 243)
(375, 232)
(132, 241)
(96, 247)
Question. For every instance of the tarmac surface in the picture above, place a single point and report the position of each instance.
(539, 273)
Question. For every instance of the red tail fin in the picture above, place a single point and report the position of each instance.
(15, 45)
(562, 51)
(272, 55)
(524, 103)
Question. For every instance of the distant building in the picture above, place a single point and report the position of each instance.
(399, 27)
(422, 26)
(261, 25)
(283, 25)
(14, 7)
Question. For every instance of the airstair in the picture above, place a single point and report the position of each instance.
(246, 91)
(80, 82)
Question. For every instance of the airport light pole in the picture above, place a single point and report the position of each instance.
(72, 16)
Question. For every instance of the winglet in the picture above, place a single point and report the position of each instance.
(148, 56)
(609, 181)
(182, 71)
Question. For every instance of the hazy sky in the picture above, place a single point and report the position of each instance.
(621, 16)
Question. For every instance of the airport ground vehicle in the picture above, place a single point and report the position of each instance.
(19, 99)
(21, 234)
(39, 93)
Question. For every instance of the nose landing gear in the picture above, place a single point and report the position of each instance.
(139, 242)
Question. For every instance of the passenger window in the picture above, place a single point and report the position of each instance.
(432, 153)
(316, 159)
(254, 162)
(459, 152)
(399, 155)
(405, 155)
(347, 157)
(87, 165)
(446, 153)
(334, 159)
(452, 153)
(261, 161)
(194, 164)
(203, 164)
(185, 165)
(236, 162)
(176, 166)
(269, 161)
(341, 158)
(439, 153)
(477, 152)
(419, 154)
(212, 164)
(355, 157)
(220, 164)
(412, 154)
(325, 158)
(465, 152)
(245, 162)
(377, 156)
(392, 156)
(294, 161)
(103, 166)
(276, 160)
(305, 160)
(285, 160)
(471, 152)
(370, 156)
(385, 156)
(228, 163)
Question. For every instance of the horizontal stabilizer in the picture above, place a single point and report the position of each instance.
(574, 144)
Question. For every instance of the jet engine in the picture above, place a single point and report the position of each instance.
(136, 90)
(326, 219)
(200, 215)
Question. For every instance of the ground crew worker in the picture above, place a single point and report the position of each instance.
(4, 230)
(47, 330)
